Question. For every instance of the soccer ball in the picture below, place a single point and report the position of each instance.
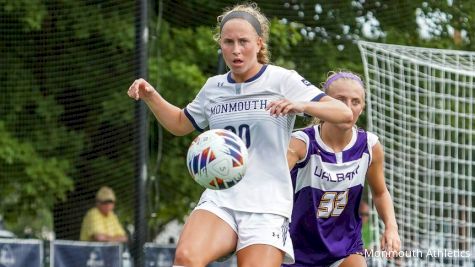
(217, 159)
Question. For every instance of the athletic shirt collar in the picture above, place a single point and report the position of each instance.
(255, 77)
(319, 139)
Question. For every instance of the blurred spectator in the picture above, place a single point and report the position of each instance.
(100, 222)
(4, 233)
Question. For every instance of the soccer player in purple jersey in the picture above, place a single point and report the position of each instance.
(258, 101)
(329, 163)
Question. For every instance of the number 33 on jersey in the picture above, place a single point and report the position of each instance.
(332, 181)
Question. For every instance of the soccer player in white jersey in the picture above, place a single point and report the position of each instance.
(258, 102)
(329, 163)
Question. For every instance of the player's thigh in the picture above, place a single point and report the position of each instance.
(205, 238)
(260, 255)
(354, 260)
(264, 240)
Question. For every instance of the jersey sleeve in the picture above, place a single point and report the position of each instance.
(372, 141)
(195, 111)
(296, 88)
(304, 138)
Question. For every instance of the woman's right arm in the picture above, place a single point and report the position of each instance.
(169, 116)
(296, 151)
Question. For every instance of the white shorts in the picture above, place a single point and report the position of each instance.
(255, 228)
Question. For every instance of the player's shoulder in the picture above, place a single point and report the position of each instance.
(289, 76)
(278, 70)
(372, 138)
(214, 84)
(363, 130)
(306, 132)
(216, 80)
(371, 135)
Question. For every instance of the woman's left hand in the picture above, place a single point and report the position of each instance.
(390, 241)
(284, 106)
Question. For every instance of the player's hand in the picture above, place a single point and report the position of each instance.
(140, 89)
(284, 107)
(390, 241)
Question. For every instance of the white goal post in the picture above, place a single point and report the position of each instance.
(421, 103)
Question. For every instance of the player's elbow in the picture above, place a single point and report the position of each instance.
(181, 127)
(342, 113)
(344, 116)
(347, 116)
(178, 132)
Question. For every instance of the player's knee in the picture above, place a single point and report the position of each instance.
(188, 257)
(354, 260)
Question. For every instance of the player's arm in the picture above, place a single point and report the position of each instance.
(327, 109)
(382, 199)
(296, 151)
(169, 116)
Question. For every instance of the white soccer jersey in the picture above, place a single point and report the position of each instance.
(240, 107)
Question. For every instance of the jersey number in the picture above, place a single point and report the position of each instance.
(243, 132)
(332, 204)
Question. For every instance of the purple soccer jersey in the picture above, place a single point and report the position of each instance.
(328, 186)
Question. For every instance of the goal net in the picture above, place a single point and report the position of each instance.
(420, 102)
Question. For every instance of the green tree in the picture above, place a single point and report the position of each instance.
(24, 204)
(62, 63)
(66, 124)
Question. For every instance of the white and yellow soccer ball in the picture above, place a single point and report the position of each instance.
(217, 159)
